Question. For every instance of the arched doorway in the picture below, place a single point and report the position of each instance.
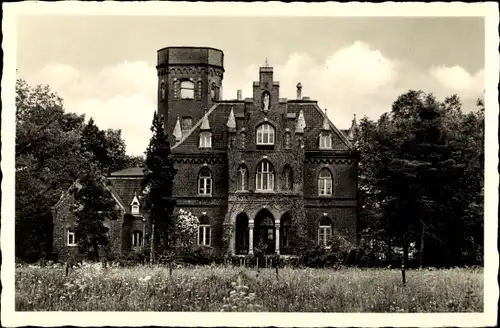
(264, 232)
(241, 246)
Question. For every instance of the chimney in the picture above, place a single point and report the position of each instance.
(299, 91)
(238, 95)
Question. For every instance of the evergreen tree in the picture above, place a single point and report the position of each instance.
(159, 173)
(93, 205)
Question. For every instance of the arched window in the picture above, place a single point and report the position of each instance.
(205, 182)
(136, 238)
(163, 91)
(325, 182)
(265, 134)
(325, 140)
(204, 231)
(242, 182)
(264, 178)
(287, 178)
(324, 231)
(212, 91)
(187, 90)
(205, 139)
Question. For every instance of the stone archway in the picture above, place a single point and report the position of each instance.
(264, 231)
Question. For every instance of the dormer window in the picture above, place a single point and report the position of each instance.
(325, 140)
(187, 90)
(265, 134)
(205, 139)
(135, 206)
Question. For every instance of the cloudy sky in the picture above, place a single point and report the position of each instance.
(104, 66)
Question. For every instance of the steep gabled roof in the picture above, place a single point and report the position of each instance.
(194, 128)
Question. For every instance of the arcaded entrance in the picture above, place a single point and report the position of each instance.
(264, 232)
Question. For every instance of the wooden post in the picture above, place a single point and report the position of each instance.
(276, 267)
(403, 272)
(66, 269)
(170, 268)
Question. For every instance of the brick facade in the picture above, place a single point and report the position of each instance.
(189, 84)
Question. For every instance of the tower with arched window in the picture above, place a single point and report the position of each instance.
(189, 83)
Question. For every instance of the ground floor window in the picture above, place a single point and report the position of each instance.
(204, 232)
(71, 237)
(324, 231)
(137, 238)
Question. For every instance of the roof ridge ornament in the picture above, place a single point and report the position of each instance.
(301, 123)
(177, 130)
(231, 121)
(326, 122)
(205, 125)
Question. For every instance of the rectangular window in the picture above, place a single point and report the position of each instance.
(135, 209)
(205, 186)
(205, 140)
(71, 237)
(204, 235)
(325, 141)
(137, 239)
(325, 233)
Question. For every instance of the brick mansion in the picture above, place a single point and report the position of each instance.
(256, 172)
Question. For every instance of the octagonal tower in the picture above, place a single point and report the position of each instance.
(189, 82)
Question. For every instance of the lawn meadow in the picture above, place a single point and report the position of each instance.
(91, 287)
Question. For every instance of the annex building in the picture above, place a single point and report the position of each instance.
(260, 172)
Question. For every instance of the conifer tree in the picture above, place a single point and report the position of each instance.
(159, 173)
(93, 205)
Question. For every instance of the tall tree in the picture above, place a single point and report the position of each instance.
(93, 205)
(49, 158)
(421, 176)
(106, 146)
(159, 173)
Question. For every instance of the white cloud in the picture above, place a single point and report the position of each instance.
(354, 79)
(458, 79)
(119, 97)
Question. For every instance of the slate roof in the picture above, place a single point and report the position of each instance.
(125, 184)
(218, 117)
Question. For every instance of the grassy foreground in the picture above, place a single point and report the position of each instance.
(217, 288)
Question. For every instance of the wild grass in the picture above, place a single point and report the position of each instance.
(219, 288)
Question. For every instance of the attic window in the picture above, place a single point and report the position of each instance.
(205, 139)
(187, 123)
(325, 140)
(135, 209)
